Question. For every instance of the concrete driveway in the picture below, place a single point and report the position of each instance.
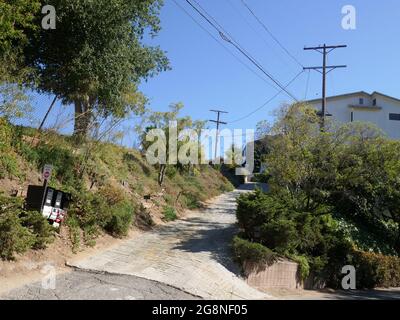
(192, 254)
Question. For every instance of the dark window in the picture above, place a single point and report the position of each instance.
(361, 101)
(374, 102)
(394, 116)
(352, 116)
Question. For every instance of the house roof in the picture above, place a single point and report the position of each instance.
(358, 93)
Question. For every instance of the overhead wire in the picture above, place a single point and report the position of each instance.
(221, 44)
(272, 35)
(268, 101)
(226, 37)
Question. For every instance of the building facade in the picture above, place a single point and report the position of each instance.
(377, 108)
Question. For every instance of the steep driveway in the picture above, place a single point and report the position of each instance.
(192, 254)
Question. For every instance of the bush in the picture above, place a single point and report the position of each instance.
(304, 266)
(21, 230)
(107, 209)
(74, 232)
(375, 270)
(169, 213)
(191, 201)
(280, 234)
(8, 160)
(14, 238)
(121, 217)
(247, 251)
(43, 232)
(309, 238)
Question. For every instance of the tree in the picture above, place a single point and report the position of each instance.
(351, 168)
(16, 20)
(95, 58)
(163, 121)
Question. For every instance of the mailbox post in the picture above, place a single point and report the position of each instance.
(46, 176)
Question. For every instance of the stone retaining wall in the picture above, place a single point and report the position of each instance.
(282, 274)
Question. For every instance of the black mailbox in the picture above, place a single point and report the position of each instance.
(50, 202)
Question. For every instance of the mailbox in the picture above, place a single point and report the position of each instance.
(51, 203)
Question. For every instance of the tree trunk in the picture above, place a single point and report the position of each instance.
(161, 174)
(83, 117)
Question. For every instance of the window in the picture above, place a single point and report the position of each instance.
(361, 101)
(374, 102)
(352, 116)
(394, 116)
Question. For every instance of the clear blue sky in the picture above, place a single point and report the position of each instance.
(205, 76)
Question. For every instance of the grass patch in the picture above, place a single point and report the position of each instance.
(169, 213)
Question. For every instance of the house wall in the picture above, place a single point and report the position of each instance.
(341, 112)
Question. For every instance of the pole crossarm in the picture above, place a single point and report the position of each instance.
(215, 121)
(326, 47)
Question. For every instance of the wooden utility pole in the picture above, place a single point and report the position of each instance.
(325, 50)
(218, 122)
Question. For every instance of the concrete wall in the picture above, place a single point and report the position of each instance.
(282, 274)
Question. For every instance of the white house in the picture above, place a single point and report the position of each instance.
(378, 108)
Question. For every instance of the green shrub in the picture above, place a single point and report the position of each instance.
(21, 230)
(191, 201)
(375, 270)
(120, 220)
(74, 232)
(246, 251)
(108, 209)
(280, 234)
(169, 199)
(169, 213)
(43, 232)
(90, 233)
(14, 238)
(8, 160)
(310, 238)
(304, 266)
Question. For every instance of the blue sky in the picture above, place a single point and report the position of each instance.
(205, 76)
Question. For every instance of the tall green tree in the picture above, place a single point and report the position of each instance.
(163, 121)
(96, 56)
(17, 19)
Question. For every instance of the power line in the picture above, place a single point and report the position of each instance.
(226, 36)
(216, 39)
(267, 44)
(272, 35)
(267, 102)
(239, 48)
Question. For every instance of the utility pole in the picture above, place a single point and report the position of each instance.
(325, 50)
(218, 122)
